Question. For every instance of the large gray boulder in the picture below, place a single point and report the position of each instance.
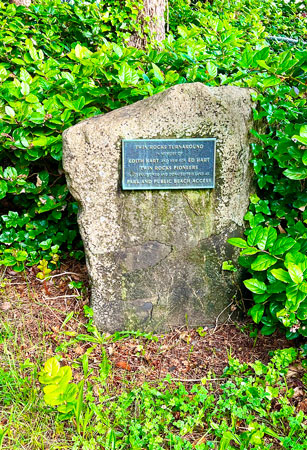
(155, 257)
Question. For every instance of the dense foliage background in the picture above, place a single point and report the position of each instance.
(61, 63)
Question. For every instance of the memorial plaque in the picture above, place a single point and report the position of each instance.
(168, 163)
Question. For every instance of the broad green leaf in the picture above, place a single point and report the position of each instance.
(40, 141)
(211, 69)
(226, 438)
(79, 104)
(52, 366)
(25, 76)
(45, 245)
(82, 52)
(53, 399)
(31, 98)
(295, 273)
(9, 111)
(261, 298)
(171, 76)
(19, 267)
(301, 139)
(54, 389)
(66, 408)
(255, 236)
(10, 173)
(282, 275)
(3, 188)
(247, 56)
(8, 261)
(275, 307)
(65, 374)
(302, 311)
(282, 245)
(255, 286)
(263, 64)
(297, 258)
(68, 76)
(25, 88)
(268, 238)
(182, 31)
(262, 237)
(3, 73)
(238, 242)
(296, 173)
(250, 251)
(158, 73)
(256, 312)
(70, 393)
(126, 75)
(37, 117)
(304, 158)
(8, 237)
(271, 81)
(262, 54)
(263, 262)
(294, 297)
(303, 131)
(117, 49)
(303, 287)
(21, 255)
(267, 330)
(277, 287)
(30, 46)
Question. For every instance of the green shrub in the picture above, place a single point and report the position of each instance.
(48, 82)
(280, 166)
(60, 64)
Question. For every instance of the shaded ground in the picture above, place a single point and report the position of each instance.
(41, 319)
(37, 310)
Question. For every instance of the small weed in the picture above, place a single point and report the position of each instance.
(252, 409)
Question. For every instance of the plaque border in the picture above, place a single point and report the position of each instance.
(182, 188)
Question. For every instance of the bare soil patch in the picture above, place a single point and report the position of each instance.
(37, 310)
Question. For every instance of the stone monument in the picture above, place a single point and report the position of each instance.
(153, 220)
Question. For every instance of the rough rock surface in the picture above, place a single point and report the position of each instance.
(155, 257)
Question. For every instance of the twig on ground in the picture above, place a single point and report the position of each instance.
(217, 319)
(62, 296)
(58, 318)
(2, 275)
(109, 399)
(57, 275)
(197, 380)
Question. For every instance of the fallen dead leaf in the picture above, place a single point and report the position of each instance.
(110, 350)
(281, 230)
(302, 406)
(298, 392)
(96, 390)
(79, 350)
(5, 306)
(202, 440)
(123, 365)
(292, 372)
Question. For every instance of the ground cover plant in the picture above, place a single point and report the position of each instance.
(79, 389)
(169, 415)
(188, 389)
(68, 62)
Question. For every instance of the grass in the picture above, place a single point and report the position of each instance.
(138, 391)
(25, 421)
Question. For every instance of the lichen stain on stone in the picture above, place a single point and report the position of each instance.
(142, 256)
(161, 244)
